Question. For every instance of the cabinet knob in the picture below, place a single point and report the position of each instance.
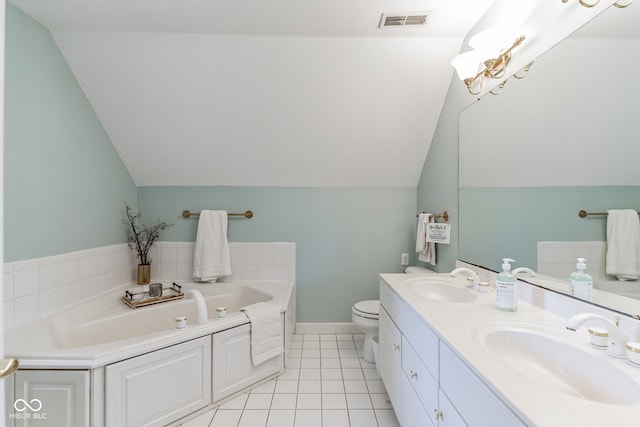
(396, 347)
(414, 375)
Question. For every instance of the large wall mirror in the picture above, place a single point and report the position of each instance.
(564, 139)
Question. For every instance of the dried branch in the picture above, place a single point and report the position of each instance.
(141, 238)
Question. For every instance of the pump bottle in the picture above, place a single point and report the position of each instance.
(581, 281)
(507, 287)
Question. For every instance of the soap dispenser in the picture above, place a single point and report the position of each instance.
(507, 287)
(581, 281)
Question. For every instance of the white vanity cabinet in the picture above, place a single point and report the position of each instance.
(49, 397)
(431, 386)
(159, 387)
(232, 365)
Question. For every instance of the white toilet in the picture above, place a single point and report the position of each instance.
(365, 314)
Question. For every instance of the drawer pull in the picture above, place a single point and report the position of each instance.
(438, 414)
(414, 375)
(396, 347)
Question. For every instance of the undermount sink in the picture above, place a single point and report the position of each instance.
(441, 291)
(541, 353)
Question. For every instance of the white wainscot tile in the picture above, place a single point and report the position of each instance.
(26, 309)
(69, 271)
(77, 291)
(87, 267)
(266, 256)
(103, 263)
(8, 315)
(8, 286)
(250, 255)
(266, 272)
(26, 282)
(50, 276)
(50, 301)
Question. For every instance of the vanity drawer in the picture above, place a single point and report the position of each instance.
(422, 338)
(476, 403)
(419, 378)
(391, 302)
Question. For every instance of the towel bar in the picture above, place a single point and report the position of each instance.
(444, 215)
(584, 214)
(187, 214)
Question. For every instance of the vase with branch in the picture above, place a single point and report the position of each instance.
(141, 238)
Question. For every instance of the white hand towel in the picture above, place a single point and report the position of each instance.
(211, 258)
(266, 331)
(623, 244)
(426, 250)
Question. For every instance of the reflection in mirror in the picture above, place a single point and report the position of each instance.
(567, 140)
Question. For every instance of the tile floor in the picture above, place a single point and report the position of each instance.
(325, 384)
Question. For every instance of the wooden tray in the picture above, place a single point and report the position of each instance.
(141, 299)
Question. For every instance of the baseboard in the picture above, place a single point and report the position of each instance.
(327, 328)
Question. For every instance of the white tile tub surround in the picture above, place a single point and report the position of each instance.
(558, 259)
(37, 287)
(249, 261)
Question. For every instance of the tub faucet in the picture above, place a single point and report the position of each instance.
(201, 306)
(617, 339)
(476, 279)
(524, 270)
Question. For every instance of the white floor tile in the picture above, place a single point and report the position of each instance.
(258, 401)
(327, 337)
(347, 354)
(253, 418)
(333, 401)
(387, 418)
(309, 374)
(346, 345)
(295, 353)
(330, 363)
(310, 345)
(329, 353)
(281, 418)
(297, 337)
(350, 363)
(376, 386)
(359, 401)
(309, 386)
(344, 337)
(200, 421)
(331, 374)
(267, 387)
(381, 401)
(355, 386)
(235, 403)
(226, 418)
(308, 418)
(309, 363)
(296, 345)
(370, 374)
(362, 418)
(284, 401)
(286, 386)
(335, 418)
(367, 365)
(311, 337)
(309, 401)
(329, 345)
(311, 352)
(332, 386)
(352, 374)
(290, 374)
(293, 363)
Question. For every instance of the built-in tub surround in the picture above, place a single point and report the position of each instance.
(38, 287)
(481, 335)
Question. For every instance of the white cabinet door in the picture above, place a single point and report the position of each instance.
(51, 398)
(413, 413)
(157, 388)
(447, 414)
(390, 360)
(420, 379)
(232, 365)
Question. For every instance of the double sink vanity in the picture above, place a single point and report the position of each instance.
(450, 357)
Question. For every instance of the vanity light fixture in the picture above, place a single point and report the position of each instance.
(595, 3)
(473, 66)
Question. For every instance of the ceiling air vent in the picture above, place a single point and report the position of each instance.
(404, 19)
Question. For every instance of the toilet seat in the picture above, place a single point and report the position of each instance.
(368, 309)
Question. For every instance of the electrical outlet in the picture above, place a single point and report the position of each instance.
(404, 259)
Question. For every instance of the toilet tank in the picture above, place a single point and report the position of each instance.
(418, 270)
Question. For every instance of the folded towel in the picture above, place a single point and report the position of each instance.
(623, 244)
(266, 331)
(211, 258)
(426, 250)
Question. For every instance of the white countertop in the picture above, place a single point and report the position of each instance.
(457, 324)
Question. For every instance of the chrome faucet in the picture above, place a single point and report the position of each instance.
(617, 339)
(523, 270)
(476, 279)
(201, 306)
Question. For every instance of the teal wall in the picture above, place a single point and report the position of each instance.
(344, 236)
(64, 183)
(491, 219)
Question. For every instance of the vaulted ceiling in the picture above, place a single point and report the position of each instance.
(273, 93)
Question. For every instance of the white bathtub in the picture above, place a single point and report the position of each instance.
(95, 333)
